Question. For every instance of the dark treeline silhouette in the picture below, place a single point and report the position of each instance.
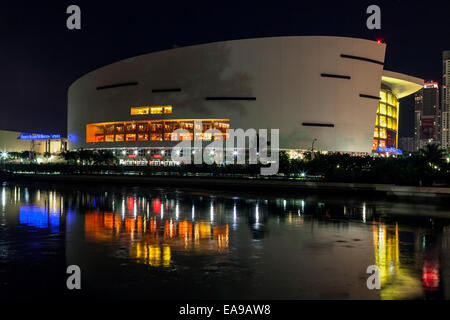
(427, 167)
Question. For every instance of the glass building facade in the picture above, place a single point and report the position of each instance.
(386, 126)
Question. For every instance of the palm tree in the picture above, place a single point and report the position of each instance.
(433, 154)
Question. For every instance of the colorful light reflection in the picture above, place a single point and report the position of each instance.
(39, 217)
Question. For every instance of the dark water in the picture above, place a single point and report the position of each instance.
(167, 244)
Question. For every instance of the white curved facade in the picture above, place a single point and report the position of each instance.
(322, 88)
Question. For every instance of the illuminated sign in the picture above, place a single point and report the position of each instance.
(38, 136)
(429, 85)
(390, 150)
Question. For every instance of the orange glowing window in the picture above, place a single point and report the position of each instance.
(374, 144)
(156, 137)
(142, 137)
(167, 136)
(156, 130)
(131, 137)
(131, 127)
(109, 138)
(185, 136)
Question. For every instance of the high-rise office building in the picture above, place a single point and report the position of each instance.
(406, 144)
(427, 116)
(445, 100)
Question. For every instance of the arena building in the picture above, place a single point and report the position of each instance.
(17, 142)
(326, 93)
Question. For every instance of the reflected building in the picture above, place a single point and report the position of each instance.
(156, 239)
(398, 278)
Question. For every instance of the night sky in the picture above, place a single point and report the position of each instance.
(40, 57)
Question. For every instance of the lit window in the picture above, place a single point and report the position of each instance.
(156, 137)
(382, 108)
(139, 110)
(185, 136)
(154, 130)
(382, 121)
(383, 96)
(131, 137)
(156, 110)
(389, 111)
(374, 144)
(142, 137)
(151, 110)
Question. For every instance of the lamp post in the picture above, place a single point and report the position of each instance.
(312, 149)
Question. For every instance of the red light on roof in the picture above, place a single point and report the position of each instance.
(379, 41)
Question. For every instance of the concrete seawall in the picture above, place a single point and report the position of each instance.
(245, 184)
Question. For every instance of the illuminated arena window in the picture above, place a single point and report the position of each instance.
(386, 125)
(135, 111)
(155, 130)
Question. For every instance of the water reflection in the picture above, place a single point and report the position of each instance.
(253, 247)
(151, 240)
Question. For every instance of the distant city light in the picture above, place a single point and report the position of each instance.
(429, 85)
(4, 155)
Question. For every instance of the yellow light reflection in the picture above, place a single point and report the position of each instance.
(397, 281)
